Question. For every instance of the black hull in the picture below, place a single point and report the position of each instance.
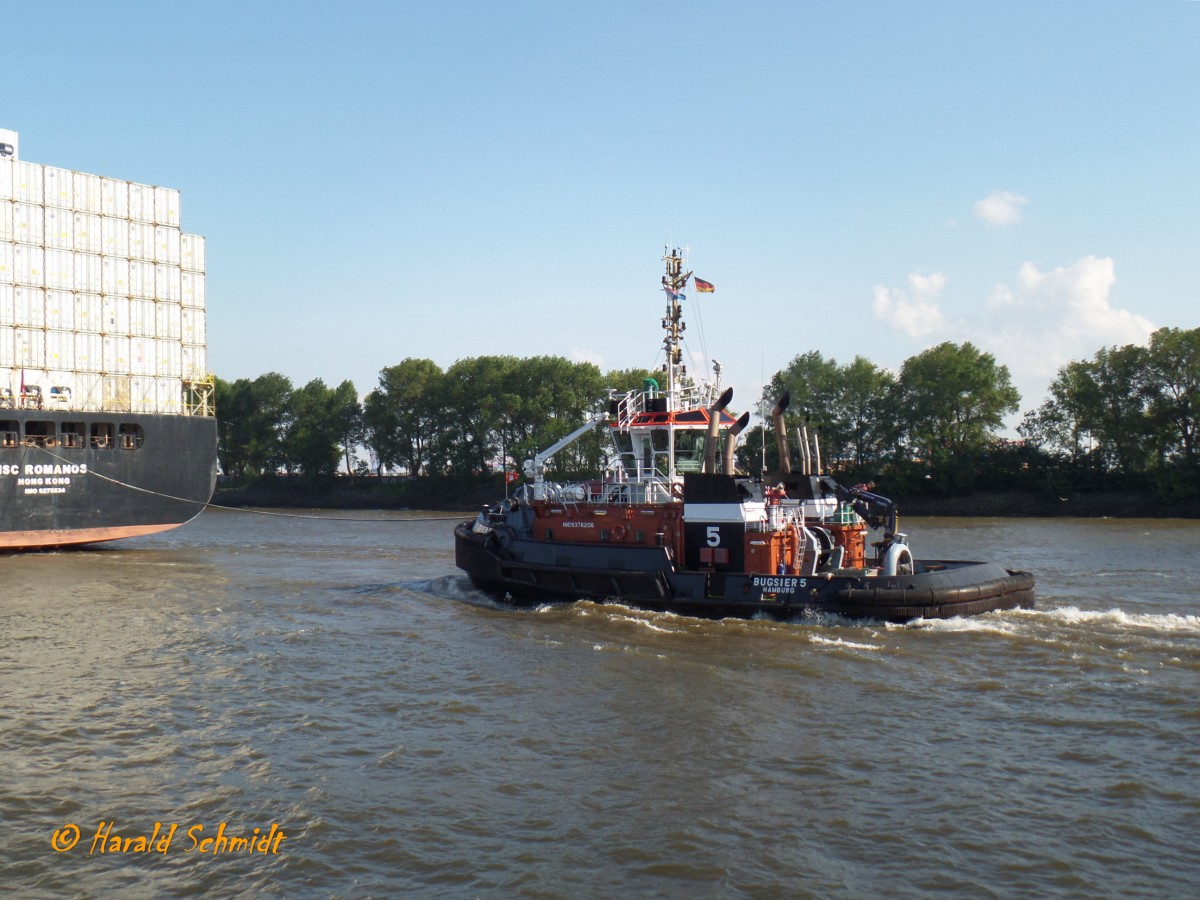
(521, 571)
(57, 492)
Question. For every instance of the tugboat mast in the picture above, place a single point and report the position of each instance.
(673, 283)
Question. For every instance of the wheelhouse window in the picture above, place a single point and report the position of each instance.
(689, 450)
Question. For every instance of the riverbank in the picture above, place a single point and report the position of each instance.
(373, 493)
(1104, 504)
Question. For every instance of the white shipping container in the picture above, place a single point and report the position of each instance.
(87, 193)
(166, 244)
(7, 231)
(114, 276)
(89, 313)
(141, 279)
(116, 316)
(29, 224)
(6, 263)
(170, 395)
(114, 198)
(169, 321)
(142, 359)
(27, 182)
(89, 352)
(166, 283)
(29, 304)
(59, 187)
(6, 175)
(88, 236)
(116, 354)
(60, 310)
(8, 307)
(59, 228)
(191, 252)
(141, 202)
(191, 289)
(60, 349)
(141, 240)
(60, 269)
(29, 265)
(114, 236)
(143, 393)
(193, 326)
(142, 318)
(195, 363)
(89, 391)
(29, 348)
(166, 206)
(7, 358)
(169, 359)
(89, 272)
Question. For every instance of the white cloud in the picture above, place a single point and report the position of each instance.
(1048, 319)
(1001, 208)
(1035, 324)
(915, 311)
(587, 355)
(1045, 320)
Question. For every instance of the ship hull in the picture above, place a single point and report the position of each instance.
(61, 485)
(523, 571)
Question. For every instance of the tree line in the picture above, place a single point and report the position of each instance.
(1127, 417)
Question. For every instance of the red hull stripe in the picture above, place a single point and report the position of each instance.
(65, 537)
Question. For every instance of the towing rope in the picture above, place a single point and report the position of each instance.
(256, 512)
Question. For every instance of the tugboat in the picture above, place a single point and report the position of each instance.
(672, 526)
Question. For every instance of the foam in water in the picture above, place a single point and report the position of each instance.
(1073, 615)
(842, 642)
(991, 623)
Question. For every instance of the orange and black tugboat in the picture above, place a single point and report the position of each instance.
(672, 526)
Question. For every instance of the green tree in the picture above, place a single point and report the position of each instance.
(322, 423)
(1130, 409)
(402, 416)
(846, 407)
(472, 405)
(951, 400)
(1059, 426)
(231, 454)
(1173, 390)
(252, 419)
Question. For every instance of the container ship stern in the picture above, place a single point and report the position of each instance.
(107, 423)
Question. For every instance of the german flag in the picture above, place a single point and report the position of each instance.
(703, 287)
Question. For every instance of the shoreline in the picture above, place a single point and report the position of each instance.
(1105, 504)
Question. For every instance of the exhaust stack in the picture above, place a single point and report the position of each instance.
(714, 424)
(805, 453)
(731, 440)
(781, 439)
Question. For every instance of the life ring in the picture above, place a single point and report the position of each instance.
(618, 532)
(898, 560)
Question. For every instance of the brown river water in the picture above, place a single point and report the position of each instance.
(308, 707)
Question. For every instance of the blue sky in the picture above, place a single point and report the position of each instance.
(383, 180)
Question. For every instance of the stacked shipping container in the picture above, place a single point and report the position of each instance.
(102, 302)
